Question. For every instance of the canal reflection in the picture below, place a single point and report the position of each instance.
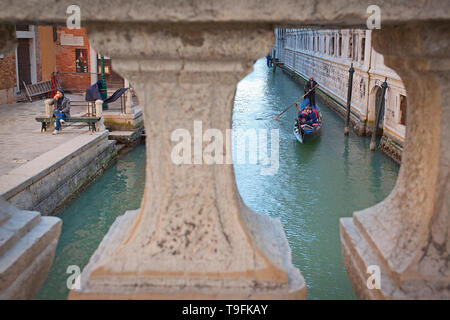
(317, 183)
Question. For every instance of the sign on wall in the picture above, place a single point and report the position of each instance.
(71, 40)
(81, 60)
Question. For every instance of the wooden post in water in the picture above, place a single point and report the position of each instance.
(103, 91)
(349, 98)
(380, 107)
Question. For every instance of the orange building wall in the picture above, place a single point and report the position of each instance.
(48, 52)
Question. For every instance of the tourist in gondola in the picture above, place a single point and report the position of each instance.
(311, 117)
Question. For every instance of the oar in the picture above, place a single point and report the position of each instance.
(296, 102)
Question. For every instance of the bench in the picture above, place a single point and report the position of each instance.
(37, 89)
(91, 121)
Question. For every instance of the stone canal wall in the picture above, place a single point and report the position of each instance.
(329, 101)
(48, 181)
(327, 55)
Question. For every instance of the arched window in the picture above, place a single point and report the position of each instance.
(363, 48)
(350, 47)
(332, 46)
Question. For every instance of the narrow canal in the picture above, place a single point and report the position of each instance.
(87, 218)
(316, 184)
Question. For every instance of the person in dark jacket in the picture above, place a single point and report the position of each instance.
(310, 117)
(62, 109)
(269, 60)
(312, 95)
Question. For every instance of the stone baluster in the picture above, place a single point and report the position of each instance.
(128, 98)
(408, 234)
(193, 236)
(48, 108)
(100, 125)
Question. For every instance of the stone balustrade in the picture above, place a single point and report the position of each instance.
(100, 126)
(407, 235)
(193, 237)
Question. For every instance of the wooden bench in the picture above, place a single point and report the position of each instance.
(37, 89)
(91, 121)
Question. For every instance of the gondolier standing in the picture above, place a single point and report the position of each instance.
(312, 95)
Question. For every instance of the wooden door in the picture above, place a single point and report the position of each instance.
(23, 61)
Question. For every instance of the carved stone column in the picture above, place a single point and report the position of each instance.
(128, 98)
(193, 237)
(407, 235)
(100, 126)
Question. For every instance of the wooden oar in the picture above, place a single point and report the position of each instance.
(296, 102)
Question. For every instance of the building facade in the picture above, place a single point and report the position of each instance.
(327, 56)
(43, 50)
(77, 63)
(22, 65)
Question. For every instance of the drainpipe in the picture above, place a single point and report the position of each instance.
(380, 108)
(349, 98)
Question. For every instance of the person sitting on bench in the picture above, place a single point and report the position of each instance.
(62, 109)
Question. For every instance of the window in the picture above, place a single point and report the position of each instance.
(325, 44)
(22, 27)
(340, 46)
(332, 46)
(350, 47)
(403, 110)
(363, 48)
(355, 47)
(81, 62)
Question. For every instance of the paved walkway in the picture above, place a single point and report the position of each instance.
(20, 137)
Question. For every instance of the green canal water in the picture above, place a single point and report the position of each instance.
(87, 218)
(316, 184)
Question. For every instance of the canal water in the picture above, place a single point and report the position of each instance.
(87, 218)
(315, 185)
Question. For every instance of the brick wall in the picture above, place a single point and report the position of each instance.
(65, 61)
(7, 78)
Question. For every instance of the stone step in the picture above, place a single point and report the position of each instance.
(23, 255)
(19, 223)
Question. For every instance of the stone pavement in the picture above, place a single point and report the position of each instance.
(20, 137)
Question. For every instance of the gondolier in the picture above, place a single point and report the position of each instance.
(310, 85)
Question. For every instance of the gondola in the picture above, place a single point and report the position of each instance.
(306, 132)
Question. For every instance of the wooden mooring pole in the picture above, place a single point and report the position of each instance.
(380, 107)
(351, 71)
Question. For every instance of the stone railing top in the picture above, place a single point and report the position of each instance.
(313, 12)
